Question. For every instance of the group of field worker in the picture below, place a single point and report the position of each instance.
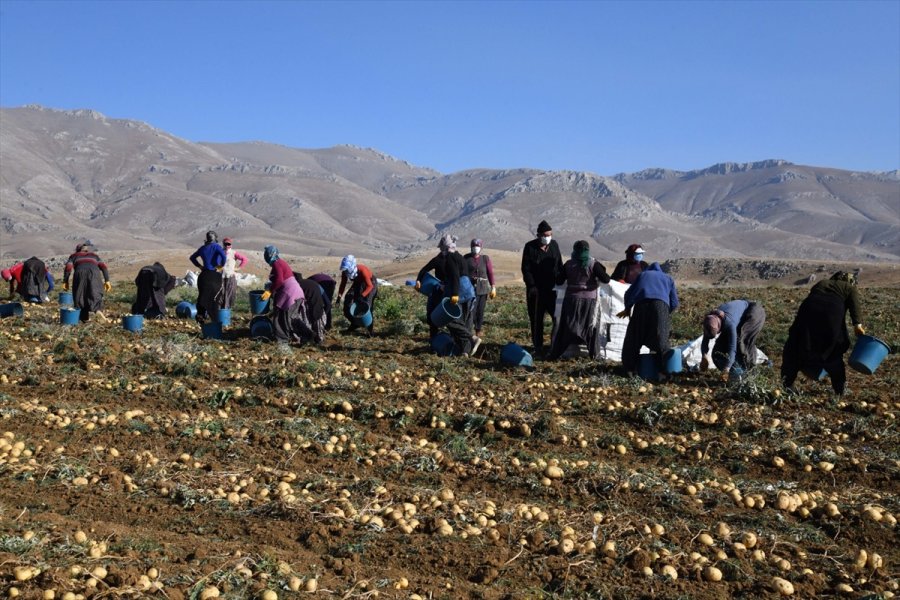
(301, 308)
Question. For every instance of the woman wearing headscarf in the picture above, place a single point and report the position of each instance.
(209, 258)
(737, 325)
(450, 267)
(30, 279)
(153, 283)
(481, 271)
(312, 329)
(328, 285)
(90, 280)
(363, 289)
(578, 320)
(288, 313)
(818, 337)
(627, 270)
(234, 260)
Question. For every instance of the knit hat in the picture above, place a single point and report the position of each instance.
(448, 242)
(6, 274)
(270, 254)
(476, 242)
(544, 227)
(712, 323)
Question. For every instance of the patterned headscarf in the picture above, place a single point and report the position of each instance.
(844, 276)
(448, 243)
(348, 265)
(270, 254)
(581, 252)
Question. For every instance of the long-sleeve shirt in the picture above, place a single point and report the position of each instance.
(652, 284)
(481, 271)
(845, 290)
(82, 259)
(582, 282)
(628, 270)
(728, 335)
(364, 276)
(448, 268)
(212, 255)
(281, 272)
(233, 260)
(541, 268)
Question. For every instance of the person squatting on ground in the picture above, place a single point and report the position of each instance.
(481, 271)
(30, 279)
(627, 270)
(234, 260)
(649, 303)
(450, 268)
(153, 283)
(578, 319)
(818, 337)
(328, 286)
(541, 269)
(90, 280)
(210, 259)
(313, 327)
(737, 325)
(288, 301)
(363, 291)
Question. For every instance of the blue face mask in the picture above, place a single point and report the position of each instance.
(639, 256)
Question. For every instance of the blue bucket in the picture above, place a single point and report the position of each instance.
(261, 327)
(66, 299)
(133, 323)
(445, 312)
(648, 370)
(223, 316)
(515, 355)
(429, 284)
(816, 374)
(868, 353)
(362, 316)
(673, 361)
(258, 306)
(186, 310)
(69, 316)
(14, 309)
(443, 344)
(211, 331)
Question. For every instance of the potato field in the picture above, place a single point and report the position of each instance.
(163, 465)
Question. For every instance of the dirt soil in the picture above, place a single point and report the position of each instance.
(165, 465)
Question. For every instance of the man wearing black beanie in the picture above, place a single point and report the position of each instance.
(542, 269)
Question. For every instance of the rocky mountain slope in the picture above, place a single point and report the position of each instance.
(68, 175)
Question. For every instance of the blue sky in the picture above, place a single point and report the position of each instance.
(605, 87)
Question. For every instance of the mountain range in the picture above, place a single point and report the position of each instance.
(66, 176)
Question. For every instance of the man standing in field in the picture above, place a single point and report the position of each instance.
(542, 269)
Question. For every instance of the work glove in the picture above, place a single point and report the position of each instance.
(704, 364)
(493, 293)
(266, 295)
(454, 299)
(107, 286)
(625, 314)
(859, 329)
(219, 269)
(66, 286)
(418, 285)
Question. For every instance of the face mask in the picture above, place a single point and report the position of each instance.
(639, 257)
(476, 250)
(545, 240)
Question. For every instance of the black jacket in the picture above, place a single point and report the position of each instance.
(541, 268)
(448, 269)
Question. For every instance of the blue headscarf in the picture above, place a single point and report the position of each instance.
(348, 264)
(270, 254)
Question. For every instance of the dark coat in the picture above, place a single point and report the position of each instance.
(542, 269)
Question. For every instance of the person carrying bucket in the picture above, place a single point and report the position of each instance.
(578, 319)
(649, 302)
(90, 280)
(153, 283)
(233, 261)
(30, 279)
(288, 312)
(481, 272)
(363, 289)
(210, 259)
(818, 337)
(541, 269)
(737, 325)
(456, 288)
